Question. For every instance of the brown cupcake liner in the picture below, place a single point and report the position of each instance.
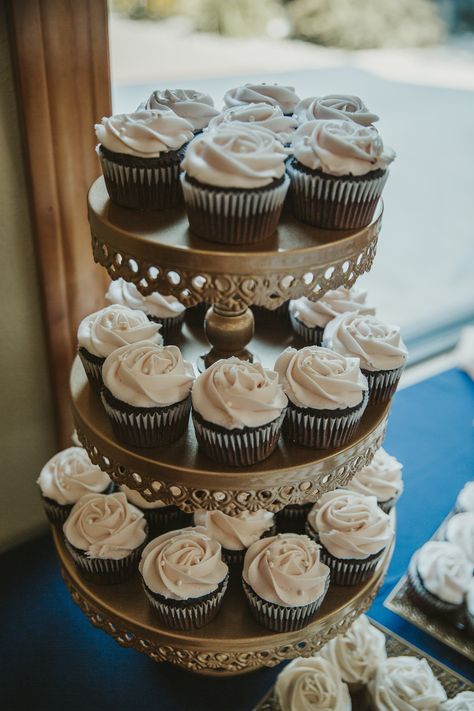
(264, 315)
(187, 614)
(93, 367)
(164, 519)
(170, 327)
(105, 571)
(292, 518)
(280, 618)
(426, 600)
(382, 384)
(58, 513)
(233, 216)
(143, 426)
(321, 430)
(237, 448)
(311, 336)
(335, 202)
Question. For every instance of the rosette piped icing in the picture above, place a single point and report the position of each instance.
(274, 94)
(334, 303)
(444, 570)
(335, 106)
(125, 293)
(465, 499)
(463, 701)
(381, 478)
(235, 533)
(194, 106)
(406, 684)
(311, 685)
(145, 134)
(460, 531)
(261, 115)
(69, 475)
(106, 330)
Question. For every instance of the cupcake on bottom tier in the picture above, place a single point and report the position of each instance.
(382, 478)
(160, 517)
(311, 683)
(184, 577)
(465, 499)
(406, 683)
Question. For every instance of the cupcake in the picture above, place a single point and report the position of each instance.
(164, 310)
(382, 478)
(65, 478)
(311, 683)
(194, 106)
(353, 532)
(234, 184)
(309, 318)
(335, 106)
(140, 155)
(146, 393)
(274, 94)
(105, 536)
(238, 410)
(406, 683)
(469, 611)
(102, 332)
(235, 533)
(338, 173)
(263, 115)
(460, 531)
(285, 581)
(463, 701)
(357, 653)
(327, 396)
(439, 575)
(379, 346)
(465, 499)
(184, 578)
(159, 516)
(292, 518)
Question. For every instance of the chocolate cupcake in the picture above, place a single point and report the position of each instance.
(292, 518)
(311, 684)
(406, 683)
(65, 478)
(102, 332)
(234, 184)
(262, 115)
(335, 106)
(465, 498)
(194, 106)
(160, 517)
(353, 532)
(285, 581)
(337, 173)
(327, 396)
(274, 94)
(379, 346)
(460, 531)
(382, 478)
(105, 536)
(464, 701)
(184, 578)
(146, 393)
(140, 155)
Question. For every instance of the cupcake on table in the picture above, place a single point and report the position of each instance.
(465, 499)
(335, 106)
(274, 94)
(382, 478)
(160, 517)
(194, 106)
(262, 115)
(311, 683)
(406, 683)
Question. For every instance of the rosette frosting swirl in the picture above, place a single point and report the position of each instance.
(340, 147)
(235, 532)
(135, 498)
(381, 478)
(311, 685)
(378, 345)
(444, 570)
(69, 475)
(460, 531)
(105, 526)
(461, 702)
(147, 375)
(465, 500)
(334, 303)
(183, 564)
(406, 684)
(233, 393)
(194, 106)
(274, 94)
(262, 115)
(125, 293)
(235, 156)
(106, 330)
(350, 525)
(145, 134)
(335, 106)
(320, 379)
(286, 570)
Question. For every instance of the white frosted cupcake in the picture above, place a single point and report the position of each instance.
(378, 345)
(140, 155)
(353, 532)
(327, 395)
(263, 115)
(460, 531)
(184, 577)
(335, 106)
(160, 517)
(309, 318)
(285, 581)
(146, 393)
(65, 478)
(382, 478)
(234, 184)
(238, 410)
(311, 684)
(465, 499)
(102, 332)
(194, 106)
(461, 702)
(105, 536)
(275, 94)
(406, 683)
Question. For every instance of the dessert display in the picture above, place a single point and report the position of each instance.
(382, 478)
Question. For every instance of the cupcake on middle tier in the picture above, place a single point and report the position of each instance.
(327, 395)
(160, 517)
(311, 684)
(406, 683)
(382, 478)
(194, 106)
(353, 532)
(262, 115)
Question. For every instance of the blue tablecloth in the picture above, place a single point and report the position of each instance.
(53, 659)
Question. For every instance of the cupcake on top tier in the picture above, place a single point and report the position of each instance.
(65, 478)
(406, 683)
(465, 499)
(353, 532)
(106, 330)
(311, 685)
(238, 410)
(194, 106)
(234, 184)
(327, 395)
(378, 345)
(461, 702)
(338, 173)
(335, 106)
(160, 517)
(140, 155)
(382, 478)
(261, 115)
(309, 318)
(274, 94)
(284, 580)
(165, 310)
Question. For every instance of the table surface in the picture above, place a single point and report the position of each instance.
(53, 659)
